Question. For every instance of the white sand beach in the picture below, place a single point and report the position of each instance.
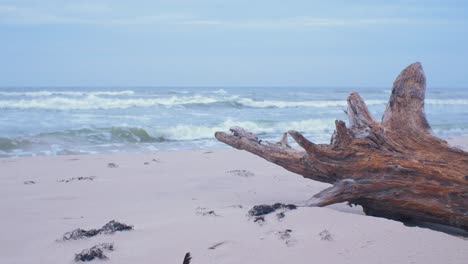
(168, 198)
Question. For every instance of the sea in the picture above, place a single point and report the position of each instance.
(77, 120)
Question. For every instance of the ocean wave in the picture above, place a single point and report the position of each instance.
(182, 132)
(194, 132)
(447, 101)
(66, 93)
(178, 92)
(96, 102)
(93, 101)
(285, 104)
(7, 144)
(102, 135)
(125, 138)
(79, 137)
(220, 91)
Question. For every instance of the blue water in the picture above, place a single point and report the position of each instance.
(54, 121)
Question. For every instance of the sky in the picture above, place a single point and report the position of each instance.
(231, 42)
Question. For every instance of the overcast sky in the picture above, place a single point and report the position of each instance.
(231, 43)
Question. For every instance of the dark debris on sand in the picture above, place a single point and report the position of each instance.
(213, 247)
(79, 234)
(29, 182)
(286, 234)
(259, 210)
(187, 258)
(259, 219)
(90, 178)
(242, 173)
(325, 235)
(109, 228)
(112, 165)
(114, 226)
(96, 252)
(204, 211)
(280, 215)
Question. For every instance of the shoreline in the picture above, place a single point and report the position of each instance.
(193, 201)
(455, 141)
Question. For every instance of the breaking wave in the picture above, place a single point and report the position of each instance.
(96, 102)
(7, 144)
(446, 101)
(184, 132)
(283, 104)
(55, 121)
(193, 132)
(51, 100)
(66, 93)
(102, 135)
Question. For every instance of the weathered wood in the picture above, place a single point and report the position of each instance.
(396, 168)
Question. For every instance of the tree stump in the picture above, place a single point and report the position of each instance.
(395, 169)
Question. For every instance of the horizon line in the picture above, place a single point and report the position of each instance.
(211, 86)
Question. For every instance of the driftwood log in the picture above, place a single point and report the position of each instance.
(395, 169)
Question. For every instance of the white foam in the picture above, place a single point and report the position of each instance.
(92, 100)
(447, 101)
(220, 91)
(66, 93)
(95, 102)
(283, 104)
(193, 132)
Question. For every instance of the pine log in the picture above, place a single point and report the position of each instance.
(396, 168)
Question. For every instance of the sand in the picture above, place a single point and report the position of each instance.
(168, 198)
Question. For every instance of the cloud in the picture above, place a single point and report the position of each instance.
(19, 15)
(81, 15)
(102, 15)
(296, 22)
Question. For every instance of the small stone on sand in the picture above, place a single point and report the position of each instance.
(112, 165)
(29, 182)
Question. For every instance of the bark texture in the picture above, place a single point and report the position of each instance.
(395, 168)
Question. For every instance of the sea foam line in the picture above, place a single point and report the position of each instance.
(65, 93)
(196, 132)
(95, 102)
